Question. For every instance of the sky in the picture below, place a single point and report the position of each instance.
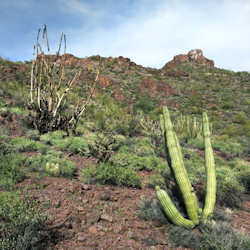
(149, 32)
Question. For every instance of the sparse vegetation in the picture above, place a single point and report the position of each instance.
(117, 147)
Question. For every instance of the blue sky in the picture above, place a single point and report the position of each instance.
(149, 32)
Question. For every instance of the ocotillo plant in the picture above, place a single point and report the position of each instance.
(175, 160)
(49, 89)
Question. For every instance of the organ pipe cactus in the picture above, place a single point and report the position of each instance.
(210, 171)
(175, 160)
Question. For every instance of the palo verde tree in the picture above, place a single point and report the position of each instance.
(49, 89)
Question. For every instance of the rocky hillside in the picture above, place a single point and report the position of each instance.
(189, 84)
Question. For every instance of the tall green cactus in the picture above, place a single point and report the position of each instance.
(210, 171)
(175, 160)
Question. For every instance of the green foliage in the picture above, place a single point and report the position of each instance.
(38, 163)
(112, 117)
(74, 145)
(150, 209)
(111, 175)
(229, 190)
(135, 162)
(138, 146)
(13, 110)
(188, 127)
(214, 237)
(20, 222)
(231, 149)
(145, 103)
(11, 170)
(156, 180)
(23, 144)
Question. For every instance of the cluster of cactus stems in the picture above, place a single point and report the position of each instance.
(175, 160)
(188, 125)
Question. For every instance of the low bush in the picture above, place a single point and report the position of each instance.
(38, 163)
(135, 162)
(71, 144)
(150, 209)
(22, 144)
(112, 175)
(209, 236)
(20, 222)
(11, 170)
(229, 190)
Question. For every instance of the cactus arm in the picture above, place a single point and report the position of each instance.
(210, 171)
(171, 211)
(178, 168)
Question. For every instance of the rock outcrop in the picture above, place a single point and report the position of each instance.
(194, 55)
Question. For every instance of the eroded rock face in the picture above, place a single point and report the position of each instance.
(194, 55)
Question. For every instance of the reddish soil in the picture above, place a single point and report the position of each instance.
(82, 216)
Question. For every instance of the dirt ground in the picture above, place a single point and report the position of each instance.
(82, 216)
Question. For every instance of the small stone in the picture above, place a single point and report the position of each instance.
(93, 230)
(106, 217)
(86, 187)
(81, 236)
(106, 196)
(93, 218)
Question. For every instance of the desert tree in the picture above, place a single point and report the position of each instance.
(50, 89)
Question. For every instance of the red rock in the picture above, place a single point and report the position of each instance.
(93, 230)
(194, 55)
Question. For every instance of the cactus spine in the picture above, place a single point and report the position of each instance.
(210, 171)
(175, 160)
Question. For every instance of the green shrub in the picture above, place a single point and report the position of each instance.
(228, 148)
(38, 163)
(11, 170)
(22, 144)
(156, 180)
(150, 209)
(112, 175)
(50, 137)
(214, 237)
(74, 145)
(139, 147)
(20, 222)
(229, 190)
(5, 146)
(135, 162)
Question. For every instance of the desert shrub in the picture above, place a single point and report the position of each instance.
(11, 170)
(229, 190)
(33, 134)
(13, 110)
(38, 163)
(150, 209)
(112, 175)
(139, 147)
(135, 162)
(241, 170)
(20, 222)
(5, 146)
(156, 180)
(214, 237)
(228, 148)
(50, 137)
(196, 143)
(195, 166)
(74, 145)
(23, 144)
